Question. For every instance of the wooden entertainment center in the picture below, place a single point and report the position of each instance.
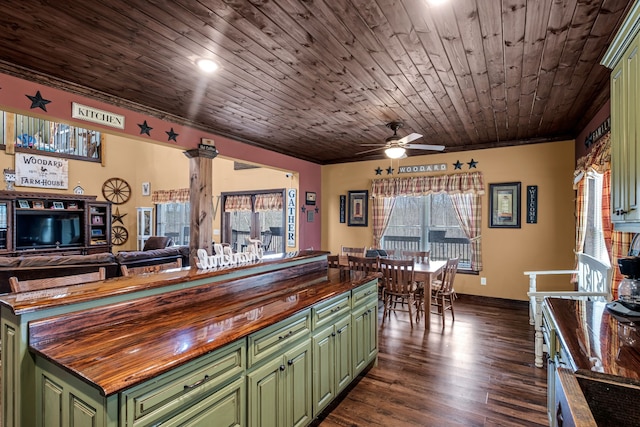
(49, 223)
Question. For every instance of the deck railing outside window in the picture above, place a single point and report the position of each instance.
(32, 133)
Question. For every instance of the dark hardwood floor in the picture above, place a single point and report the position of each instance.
(478, 371)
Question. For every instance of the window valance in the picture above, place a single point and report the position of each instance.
(237, 203)
(268, 202)
(180, 195)
(460, 183)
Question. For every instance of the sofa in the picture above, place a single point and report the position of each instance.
(42, 266)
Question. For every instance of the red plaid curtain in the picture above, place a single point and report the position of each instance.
(268, 202)
(181, 195)
(237, 203)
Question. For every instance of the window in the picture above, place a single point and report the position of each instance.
(428, 223)
(31, 133)
(172, 220)
(594, 243)
(258, 215)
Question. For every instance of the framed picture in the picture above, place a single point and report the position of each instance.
(23, 204)
(146, 189)
(504, 205)
(38, 204)
(97, 220)
(96, 232)
(358, 208)
(58, 205)
(310, 198)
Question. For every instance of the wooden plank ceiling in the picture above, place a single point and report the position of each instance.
(316, 78)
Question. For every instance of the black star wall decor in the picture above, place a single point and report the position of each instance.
(303, 209)
(472, 164)
(38, 101)
(145, 128)
(317, 209)
(172, 135)
(117, 217)
(457, 165)
(389, 170)
(378, 171)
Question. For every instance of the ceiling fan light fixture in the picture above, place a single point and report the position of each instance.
(207, 65)
(395, 152)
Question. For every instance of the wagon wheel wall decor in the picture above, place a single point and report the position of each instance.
(119, 235)
(116, 190)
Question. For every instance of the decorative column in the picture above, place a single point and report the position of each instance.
(200, 198)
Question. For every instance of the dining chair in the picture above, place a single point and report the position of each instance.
(399, 286)
(156, 268)
(365, 264)
(443, 295)
(333, 261)
(55, 282)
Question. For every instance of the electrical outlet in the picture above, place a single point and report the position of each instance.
(483, 281)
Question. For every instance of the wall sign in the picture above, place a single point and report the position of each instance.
(41, 171)
(95, 115)
(532, 204)
(291, 217)
(598, 133)
(439, 167)
(343, 208)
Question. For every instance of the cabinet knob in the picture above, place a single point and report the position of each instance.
(290, 362)
(333, 334)
(282, 367)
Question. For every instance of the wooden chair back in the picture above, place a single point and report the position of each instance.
(449, 275)
(367, 265)
(333, 261)
(397, 275)
(420, 257)
(55, 282)
(352, 251)
(130, 271)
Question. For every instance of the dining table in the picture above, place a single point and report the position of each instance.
(425, 272)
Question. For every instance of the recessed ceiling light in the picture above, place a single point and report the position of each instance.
(207, 65)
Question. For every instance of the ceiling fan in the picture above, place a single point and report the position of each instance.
(396, 147)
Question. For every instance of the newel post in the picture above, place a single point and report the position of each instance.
(200, 198)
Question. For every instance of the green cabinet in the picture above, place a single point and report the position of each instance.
(331, 362)
(279, 391)
(622, 57)
(364, 320)
(206, 389)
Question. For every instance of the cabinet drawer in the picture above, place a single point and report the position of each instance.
(276, 338)
(180, 387)
(328, 311)
(364, 293)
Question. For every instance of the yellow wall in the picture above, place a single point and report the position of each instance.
(507, 253)
(165, 168)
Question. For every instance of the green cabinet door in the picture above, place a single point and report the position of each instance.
(266, 395)
(365, 335)
(298, 381)
(342, 364)
(280, 390)
(324, 375)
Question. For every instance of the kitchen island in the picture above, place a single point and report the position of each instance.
(192, 346)
(603, 353)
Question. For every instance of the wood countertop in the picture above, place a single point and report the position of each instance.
(118, 346)
(27, 302)
(598, 343)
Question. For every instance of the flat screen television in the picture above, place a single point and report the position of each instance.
(41, 229)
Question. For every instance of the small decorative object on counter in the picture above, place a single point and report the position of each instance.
(10, 178)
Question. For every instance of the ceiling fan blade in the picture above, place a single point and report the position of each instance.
(369, 151)
(425, 147)
(407, 139)
(373, 145)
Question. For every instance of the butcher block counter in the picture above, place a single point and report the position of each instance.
(602, 351)
(196, 351)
